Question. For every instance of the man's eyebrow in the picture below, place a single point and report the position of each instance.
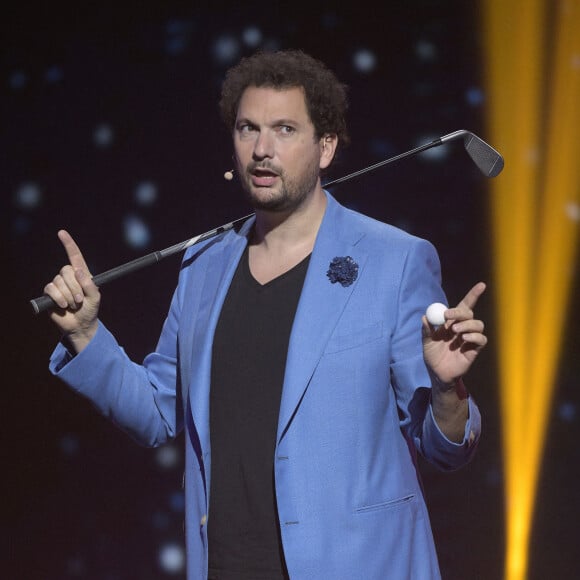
(287, 121)
(275, 123)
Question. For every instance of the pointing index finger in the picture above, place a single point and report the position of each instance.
(73, 252)
(471, 298)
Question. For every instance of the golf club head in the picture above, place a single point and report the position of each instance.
(489, 161)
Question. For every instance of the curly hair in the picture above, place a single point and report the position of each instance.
(325, 96)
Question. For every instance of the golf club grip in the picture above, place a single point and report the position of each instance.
(45, 302)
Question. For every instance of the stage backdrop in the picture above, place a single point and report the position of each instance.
(110, 129)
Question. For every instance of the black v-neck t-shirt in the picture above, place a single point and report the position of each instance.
(247, 374)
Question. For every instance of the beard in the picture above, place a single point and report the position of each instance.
(288, 195)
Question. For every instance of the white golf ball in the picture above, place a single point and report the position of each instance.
(435, 314)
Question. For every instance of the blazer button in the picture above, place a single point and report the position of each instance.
(203, 520)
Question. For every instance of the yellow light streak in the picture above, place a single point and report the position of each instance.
(534, 241)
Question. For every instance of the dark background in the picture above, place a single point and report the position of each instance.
(109, 118)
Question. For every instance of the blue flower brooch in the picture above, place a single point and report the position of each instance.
(343, 270)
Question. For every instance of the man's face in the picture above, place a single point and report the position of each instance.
(277, 153)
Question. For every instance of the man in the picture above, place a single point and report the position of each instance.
(296, 357)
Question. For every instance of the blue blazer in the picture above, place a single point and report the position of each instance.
(355, 402)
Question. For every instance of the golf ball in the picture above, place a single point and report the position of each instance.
(435, 314)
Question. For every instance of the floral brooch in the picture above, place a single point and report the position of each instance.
(343, 270)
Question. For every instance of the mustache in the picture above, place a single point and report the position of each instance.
(264, 166)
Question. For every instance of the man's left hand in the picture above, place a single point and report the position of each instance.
(451, 348)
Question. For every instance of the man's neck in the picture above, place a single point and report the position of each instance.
(280, 241)
(279, 231)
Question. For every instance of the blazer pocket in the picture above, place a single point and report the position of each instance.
(384, 505)
(354, 338)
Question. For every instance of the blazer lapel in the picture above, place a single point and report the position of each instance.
(199, 340)
(320, 307)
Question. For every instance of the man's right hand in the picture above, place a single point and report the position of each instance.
(77, 297)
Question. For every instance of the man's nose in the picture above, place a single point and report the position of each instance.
(264, 146)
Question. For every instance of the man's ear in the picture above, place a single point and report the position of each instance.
(328, 144)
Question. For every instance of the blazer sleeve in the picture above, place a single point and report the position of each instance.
(142, 399)
(421, 286)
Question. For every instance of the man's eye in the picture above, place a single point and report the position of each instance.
(245, 128)
(287, 129)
